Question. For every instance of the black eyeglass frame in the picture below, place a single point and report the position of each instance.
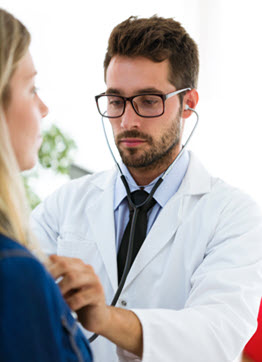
(164, 97)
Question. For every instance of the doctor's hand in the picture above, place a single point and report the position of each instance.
(84, 294)
(82, 290)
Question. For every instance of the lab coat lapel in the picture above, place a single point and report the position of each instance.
(101, 216)
(196, 182)
(167, 221)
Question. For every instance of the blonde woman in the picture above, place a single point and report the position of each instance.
(36, 323)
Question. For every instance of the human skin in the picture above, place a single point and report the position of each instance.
(132, 76)
(80, 286)
(245, 358)
(24, 113)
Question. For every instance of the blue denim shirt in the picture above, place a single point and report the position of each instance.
(36, 324)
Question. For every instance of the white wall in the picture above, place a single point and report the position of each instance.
(69, 43)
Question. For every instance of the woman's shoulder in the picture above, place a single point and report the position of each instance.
(21, 273)
(32, 298)
(10, 247)
(7, 244)
(17, 261)
(18, 266)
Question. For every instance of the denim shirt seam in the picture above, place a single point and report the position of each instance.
(72, 334)
(13, 253)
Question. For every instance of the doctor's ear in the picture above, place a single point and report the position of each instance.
(190, 101)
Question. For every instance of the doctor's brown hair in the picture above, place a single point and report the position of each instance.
(157, 39)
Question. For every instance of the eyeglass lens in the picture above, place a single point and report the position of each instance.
(145, 105)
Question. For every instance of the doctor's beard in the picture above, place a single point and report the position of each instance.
(159, 152)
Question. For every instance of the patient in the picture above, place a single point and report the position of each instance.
(36, 323)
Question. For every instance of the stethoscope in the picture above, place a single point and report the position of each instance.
(136, 207)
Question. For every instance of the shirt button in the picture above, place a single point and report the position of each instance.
(123, 303)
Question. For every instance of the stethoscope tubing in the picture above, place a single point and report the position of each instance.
(136, 208)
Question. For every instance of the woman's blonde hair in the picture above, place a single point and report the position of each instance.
(14, 220)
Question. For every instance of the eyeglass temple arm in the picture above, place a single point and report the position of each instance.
(177, 92)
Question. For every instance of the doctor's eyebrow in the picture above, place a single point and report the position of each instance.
(112, 91)
(138, 92)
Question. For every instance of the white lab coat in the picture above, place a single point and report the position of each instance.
(197, 280)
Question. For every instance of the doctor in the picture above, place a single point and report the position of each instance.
(193, 290)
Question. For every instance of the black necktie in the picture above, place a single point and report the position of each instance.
(138, 197)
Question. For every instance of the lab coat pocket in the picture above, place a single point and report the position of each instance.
(75, 246)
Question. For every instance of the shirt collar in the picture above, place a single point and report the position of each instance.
(164, 192)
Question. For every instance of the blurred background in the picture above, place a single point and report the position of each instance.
(69, 40)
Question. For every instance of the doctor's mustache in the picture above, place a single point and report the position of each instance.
(133, 134)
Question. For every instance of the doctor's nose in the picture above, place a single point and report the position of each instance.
(130, 119)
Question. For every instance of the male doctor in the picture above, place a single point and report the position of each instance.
(193, 290)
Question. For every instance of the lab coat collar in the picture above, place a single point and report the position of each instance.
(197, 181)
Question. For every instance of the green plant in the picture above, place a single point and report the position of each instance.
(55, 154)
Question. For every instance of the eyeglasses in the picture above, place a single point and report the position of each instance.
(145, 105)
